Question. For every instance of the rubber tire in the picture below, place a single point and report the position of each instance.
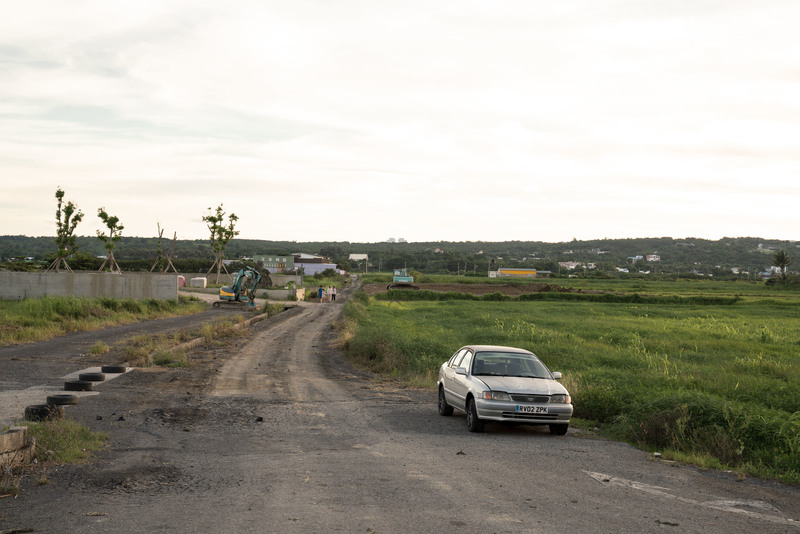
(92, 377)
(444, 408)
(474, 424)
(559, 429)
(43, 412)
(114, 369)
(78, 385)
(62, 400)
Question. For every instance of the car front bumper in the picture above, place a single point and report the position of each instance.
(514, 412)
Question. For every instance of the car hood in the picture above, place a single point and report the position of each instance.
(520, 384)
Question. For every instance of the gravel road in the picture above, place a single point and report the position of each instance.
(275, 432)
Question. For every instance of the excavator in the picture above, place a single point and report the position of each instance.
(402, 280)
(243, 290)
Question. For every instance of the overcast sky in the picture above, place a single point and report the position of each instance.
(362, 120)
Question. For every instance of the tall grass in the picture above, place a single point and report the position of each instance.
(711, 381)
(30, 320)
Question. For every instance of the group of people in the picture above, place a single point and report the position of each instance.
(327, 295)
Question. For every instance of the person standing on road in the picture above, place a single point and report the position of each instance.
(333, 294)
(320, 293)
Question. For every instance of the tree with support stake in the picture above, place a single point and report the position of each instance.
(114, 235)
(164, 263)
(67, 218)
(220, 235)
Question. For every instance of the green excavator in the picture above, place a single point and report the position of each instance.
(242, 292)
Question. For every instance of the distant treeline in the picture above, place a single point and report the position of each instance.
(690, 255)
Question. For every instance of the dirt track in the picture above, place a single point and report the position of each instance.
(275, 432)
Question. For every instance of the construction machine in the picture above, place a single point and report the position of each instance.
(402, 280)
(242, 292)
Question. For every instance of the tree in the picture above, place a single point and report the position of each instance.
(67, 218)
(782, 262)
(114, 234)
(220, 235)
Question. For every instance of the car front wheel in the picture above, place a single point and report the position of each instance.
(474, 424)
(559, 429)
(444, 408)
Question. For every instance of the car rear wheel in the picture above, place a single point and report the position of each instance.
(474, 424)
(444, 408)
(559, 429)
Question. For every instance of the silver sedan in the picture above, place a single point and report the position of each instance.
(505, 384)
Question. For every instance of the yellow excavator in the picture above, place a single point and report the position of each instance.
(243, 290)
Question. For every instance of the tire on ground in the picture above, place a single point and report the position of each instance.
(92, 377)
(113, 369)
(43, 412)
(444, 408)
(62, 399)
(78, 385)
(474, 423)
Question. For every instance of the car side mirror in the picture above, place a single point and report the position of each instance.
(461, 371)
(556, 375)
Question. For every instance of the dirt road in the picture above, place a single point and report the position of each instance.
(276, 433)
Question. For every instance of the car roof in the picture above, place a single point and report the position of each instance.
(496, 348)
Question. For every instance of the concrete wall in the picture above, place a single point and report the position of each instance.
(18, 286)
(278, 280)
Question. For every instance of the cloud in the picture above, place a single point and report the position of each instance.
(361, 120)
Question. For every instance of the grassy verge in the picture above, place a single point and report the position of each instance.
(163, 350)
(714, 384)
(31, 320)
(61, 441)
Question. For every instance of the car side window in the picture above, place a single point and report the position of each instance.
(456, 361)
(467, 361)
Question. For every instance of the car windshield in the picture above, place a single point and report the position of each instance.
(508, 364)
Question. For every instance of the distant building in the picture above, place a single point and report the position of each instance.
(309, 264)
(275, 263)
(358, 257)
(653, 257)
(570, 265)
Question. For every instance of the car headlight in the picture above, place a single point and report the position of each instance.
(496, 395)
(560, 399)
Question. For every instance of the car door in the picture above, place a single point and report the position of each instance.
(461, 379)
(450, 374)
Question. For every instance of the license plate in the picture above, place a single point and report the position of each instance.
(531, 409)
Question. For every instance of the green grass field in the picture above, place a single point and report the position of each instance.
(717, 385)
(25, 321)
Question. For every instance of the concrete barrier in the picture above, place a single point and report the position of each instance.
(15, 447)
(19, 286)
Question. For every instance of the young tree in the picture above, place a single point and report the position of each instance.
(67, 218)
(220, 235)
(164, 262)
(114, 234)
(782, 262)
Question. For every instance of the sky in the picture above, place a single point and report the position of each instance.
(364, 120)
